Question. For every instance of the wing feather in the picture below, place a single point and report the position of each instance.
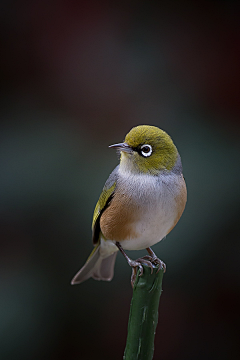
(103, 202)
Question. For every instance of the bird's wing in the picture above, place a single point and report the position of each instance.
(103, 202)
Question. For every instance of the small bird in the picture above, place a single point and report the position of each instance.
(141, 202)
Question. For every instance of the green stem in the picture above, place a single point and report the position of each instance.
(143, 315)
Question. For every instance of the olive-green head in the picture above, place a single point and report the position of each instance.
(147, 149)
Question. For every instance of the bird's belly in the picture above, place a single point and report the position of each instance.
(152, 228)
(147, 216)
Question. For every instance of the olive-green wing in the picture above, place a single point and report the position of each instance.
(103, 202)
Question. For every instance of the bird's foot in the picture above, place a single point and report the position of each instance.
(139, 263)
(155, 260)
(149, 260)
(160, 264)
(135, 265)
(146, 260)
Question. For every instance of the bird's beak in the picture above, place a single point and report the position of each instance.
(122, 147)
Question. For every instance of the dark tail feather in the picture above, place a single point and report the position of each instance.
(97, 267)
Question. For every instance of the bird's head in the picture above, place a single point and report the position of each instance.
(147, 150)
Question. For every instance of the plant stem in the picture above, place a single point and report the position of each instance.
(143, 315)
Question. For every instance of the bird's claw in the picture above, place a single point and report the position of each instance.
(135, 264)
(149, 260)
(138, 264)
(161, 264)
(156, 261)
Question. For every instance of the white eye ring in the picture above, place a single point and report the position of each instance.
(146, 150)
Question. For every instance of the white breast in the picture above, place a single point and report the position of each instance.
(155, 198)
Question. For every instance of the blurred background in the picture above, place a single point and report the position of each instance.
(76, 76)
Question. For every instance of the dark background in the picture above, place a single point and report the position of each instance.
(76, 76)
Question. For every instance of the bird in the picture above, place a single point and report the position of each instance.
(141, 202)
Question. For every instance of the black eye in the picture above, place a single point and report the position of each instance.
(146, 150)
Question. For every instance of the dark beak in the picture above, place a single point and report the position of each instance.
(122, 147)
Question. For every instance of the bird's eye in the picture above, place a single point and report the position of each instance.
(146, 150)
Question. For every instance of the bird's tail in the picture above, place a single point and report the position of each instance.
(97, 267)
